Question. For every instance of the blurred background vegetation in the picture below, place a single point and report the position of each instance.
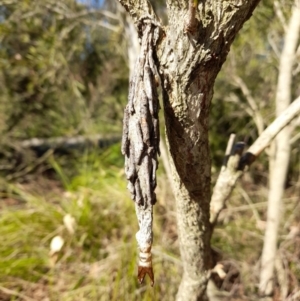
(64, 75)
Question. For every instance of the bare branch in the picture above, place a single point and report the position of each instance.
(108, 14)
(295, 138)
(252, 108)
(273, 44)
(280, 14)
(275, 127)
(283, 95)
(103, 24)
(229, 147)
(250, 203)
(84, 13)
(279, 160)
(226, 181)
(67, 142)
(233, 98)
(258, 119)
(237, 163)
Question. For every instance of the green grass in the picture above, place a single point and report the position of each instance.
(97, 262)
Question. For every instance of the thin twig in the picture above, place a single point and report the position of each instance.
(275, 127)
(256, 114)
(273, 45)
(280, 14)
(295, 138)
(249, 201)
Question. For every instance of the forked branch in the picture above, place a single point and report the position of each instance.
(237, 162)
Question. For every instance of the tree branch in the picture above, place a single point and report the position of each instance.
(280, 15)
(256, 114)
(226, 180)
(273, 45)
(280, 157)
(275, 127)
(238, 163)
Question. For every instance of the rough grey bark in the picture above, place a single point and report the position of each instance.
(188, 61)
(279, 160)
(189, 64)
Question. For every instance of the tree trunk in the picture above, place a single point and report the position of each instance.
(280, 155)
(189, 64)
(189, 55)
